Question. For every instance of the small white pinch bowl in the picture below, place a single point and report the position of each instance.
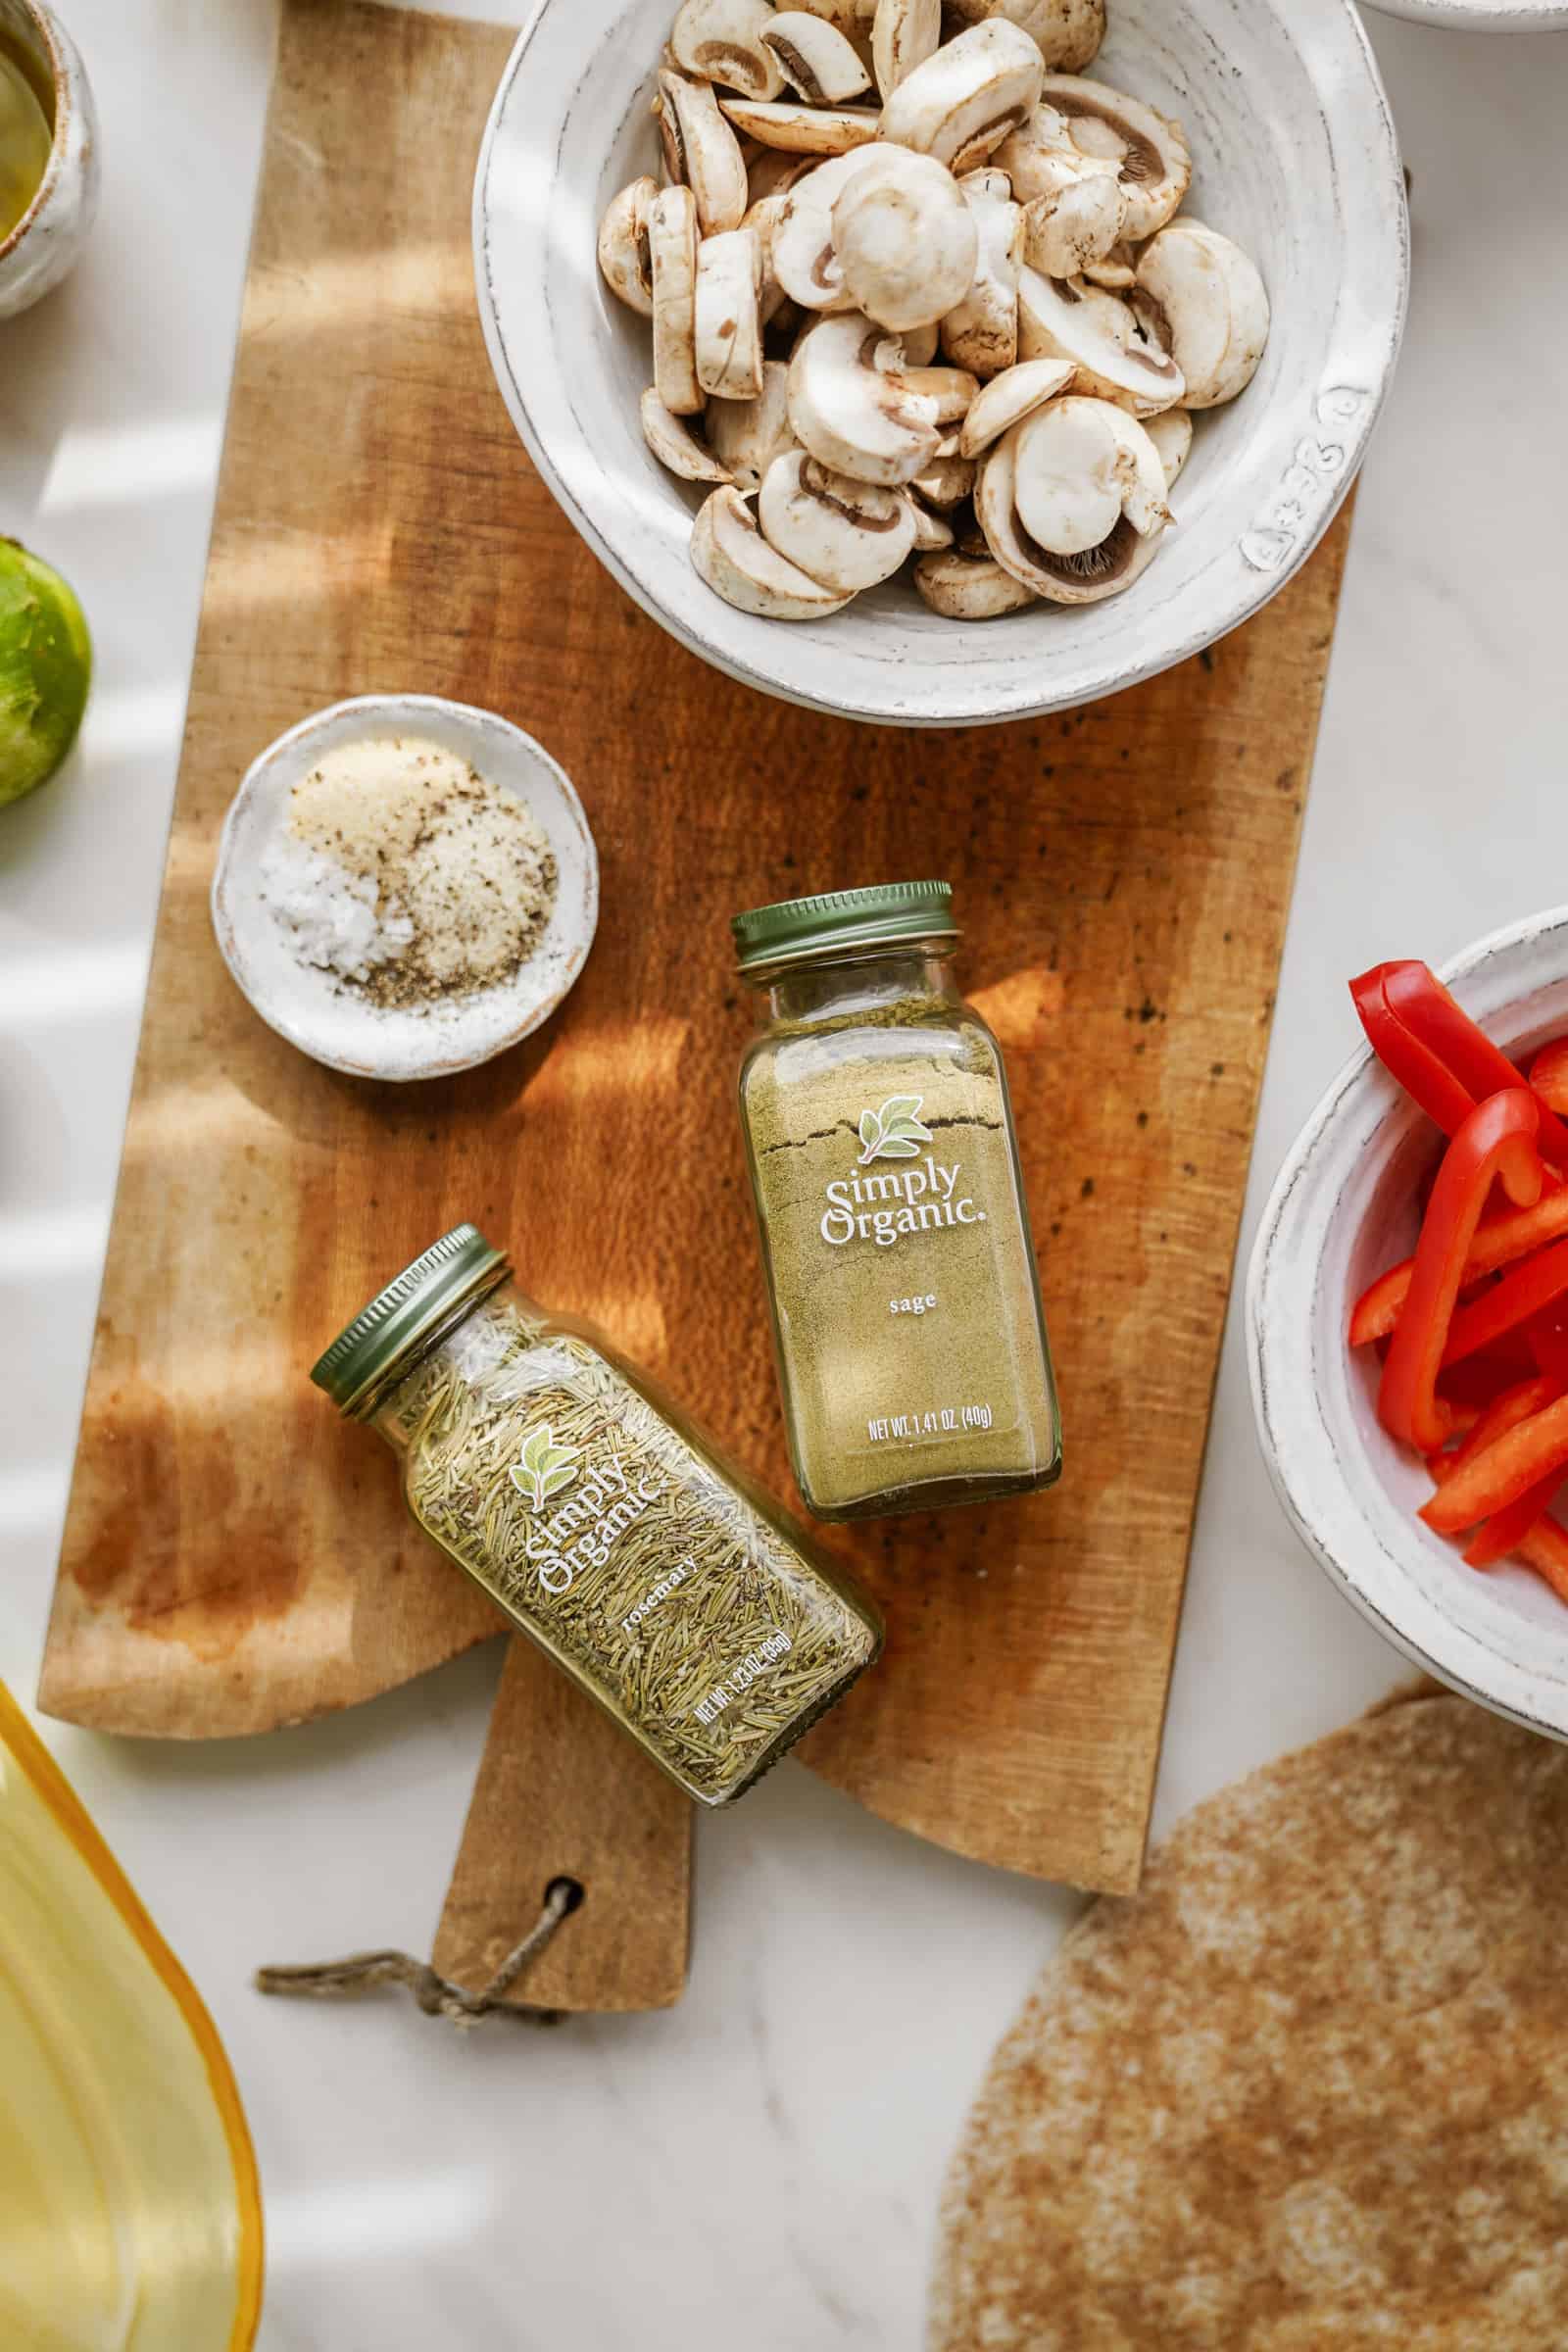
(49, 237)
(1296, 158)
(333, 1024)
(1346, 1208)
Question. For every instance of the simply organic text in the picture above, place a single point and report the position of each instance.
(883, 1208)
(583, 1531)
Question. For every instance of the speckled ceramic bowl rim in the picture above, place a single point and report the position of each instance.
(1478, 15)
(60, 79)
(377, 708)
(1423, 1632)
(1362, 298)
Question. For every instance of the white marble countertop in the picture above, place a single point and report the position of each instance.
(762, 2164)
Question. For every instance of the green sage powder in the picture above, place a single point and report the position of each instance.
(911, 1343)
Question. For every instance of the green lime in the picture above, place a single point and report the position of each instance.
(45, 670)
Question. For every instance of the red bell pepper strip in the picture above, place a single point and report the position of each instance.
(1486, 1374)
(1377, 1310)
(1417, 998)
(1517, 1298)
(1547, 1336)
(1497, 1243)
(1424, 1077)
(1549, 1075)
(1504, 1532)
(1496, 1140)
(1503, 1471)
(1505, 1412)
(1544, 1548)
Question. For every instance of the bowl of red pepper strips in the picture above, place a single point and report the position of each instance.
(1408, 1320)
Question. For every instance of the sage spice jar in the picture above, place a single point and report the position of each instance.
(911, 1343)
(598, 1520)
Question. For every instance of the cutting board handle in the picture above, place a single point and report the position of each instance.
(562, 1792)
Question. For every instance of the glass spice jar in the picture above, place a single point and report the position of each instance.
(598, 1519)
(910, 1338)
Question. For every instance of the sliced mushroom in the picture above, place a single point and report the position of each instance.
(954, 389)
(676, 446)
(804, 129)
(746, 435)
(1113, 354)
(964, 102)
(722, 40)
(1171, 433)
(1149, 152)
(1066, 33)
(848, 535)
(947, 481)
(1008, 399)
(820, 64)
(1083, 579)
(964, 587)
(903, 34)
(1079, 465)
(1032, 155)
(1210, 303)
(773, 172)
(673, 245)
(727, 322)
(851, 413)
(852, 16)
(905, 239)
(1076, 220)
(801, 253)
(973, 295)
(932, 532)
(730, 553)
(623, 254)
(981, 333)
(786, 326)
(701, 149)
(1114, 270)
(761, 219)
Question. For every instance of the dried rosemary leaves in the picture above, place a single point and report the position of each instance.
(601, 1523)
(911, 1343)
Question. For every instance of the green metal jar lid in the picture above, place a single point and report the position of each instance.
(456, 1269)
(843, 918)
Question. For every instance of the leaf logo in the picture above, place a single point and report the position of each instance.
(895, 1131)
(543, 1467)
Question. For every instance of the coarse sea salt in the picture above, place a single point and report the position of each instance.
(407, 874)
(329, 914)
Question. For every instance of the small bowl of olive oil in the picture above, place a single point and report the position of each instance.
(48, 153)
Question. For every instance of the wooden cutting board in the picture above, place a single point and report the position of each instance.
(235, 1557)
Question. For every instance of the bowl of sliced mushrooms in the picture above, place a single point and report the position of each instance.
(844, 327)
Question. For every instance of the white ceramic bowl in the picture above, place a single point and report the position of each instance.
(333, 1024)
(50, 233)
(1344, 1208)
(1297, 159)
(1480, 16)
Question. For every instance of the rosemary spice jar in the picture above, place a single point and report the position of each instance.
(598, 1520)
(911, 1343)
